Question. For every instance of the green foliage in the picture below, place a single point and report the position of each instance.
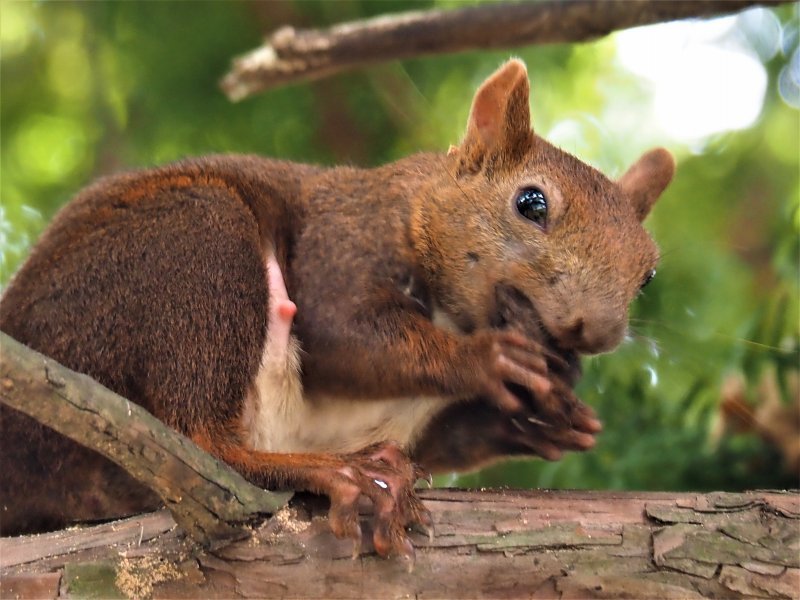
(92, 88)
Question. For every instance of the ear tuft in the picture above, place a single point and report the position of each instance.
(500, 114)
(647, 178)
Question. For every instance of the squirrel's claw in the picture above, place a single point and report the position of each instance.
(356, 549)
(425, 527)
(424, 474)
(386, 476)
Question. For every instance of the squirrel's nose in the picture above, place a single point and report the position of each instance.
(575, 328)
(589, 336)
(570, 334)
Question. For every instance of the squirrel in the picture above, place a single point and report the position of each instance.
(338, 330)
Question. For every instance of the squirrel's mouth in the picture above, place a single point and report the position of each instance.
(513, 309)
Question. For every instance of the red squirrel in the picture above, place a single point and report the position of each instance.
(321, 328)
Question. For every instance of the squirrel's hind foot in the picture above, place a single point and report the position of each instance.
(384, 474)
(381, 472)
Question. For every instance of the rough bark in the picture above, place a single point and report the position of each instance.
(489, 544)
(291, 55)
(206, 497)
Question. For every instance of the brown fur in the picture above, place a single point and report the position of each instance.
(155, 284)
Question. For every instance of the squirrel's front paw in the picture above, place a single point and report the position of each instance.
(558, 421)
(509, 359)
(531, 385)
(384, 474)
(469, 435)
(576, 430)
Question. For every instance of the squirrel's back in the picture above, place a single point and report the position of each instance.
(154, 284)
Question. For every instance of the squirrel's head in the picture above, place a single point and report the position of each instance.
(513, 212)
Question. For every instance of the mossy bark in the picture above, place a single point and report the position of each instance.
(489, 544)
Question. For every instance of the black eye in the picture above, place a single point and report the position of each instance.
(532, 205)
(648, 277)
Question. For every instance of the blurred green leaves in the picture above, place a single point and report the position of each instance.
(92, 88)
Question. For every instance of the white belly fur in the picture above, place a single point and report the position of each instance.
(279, 417)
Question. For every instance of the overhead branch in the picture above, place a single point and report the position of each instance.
(209, 500)
(291, 55)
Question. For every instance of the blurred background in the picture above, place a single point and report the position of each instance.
(705, 393)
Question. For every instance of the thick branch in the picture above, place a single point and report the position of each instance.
(291, 55)
(209, 500)
(489, 544)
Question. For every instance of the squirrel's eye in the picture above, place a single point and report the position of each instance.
(532, 205)
(648, 277)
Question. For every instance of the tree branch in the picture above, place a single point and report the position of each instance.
(291, 55)
(489, 544)
(209, 500)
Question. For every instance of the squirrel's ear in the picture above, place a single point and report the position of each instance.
(647, 178)
(500, 114)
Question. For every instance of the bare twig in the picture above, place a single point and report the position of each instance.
(209, 500)
(291, 55)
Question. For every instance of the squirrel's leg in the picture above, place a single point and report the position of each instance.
(381, 472)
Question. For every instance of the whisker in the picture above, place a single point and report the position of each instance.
(716, 334)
